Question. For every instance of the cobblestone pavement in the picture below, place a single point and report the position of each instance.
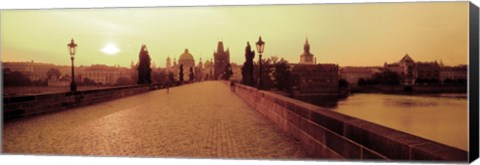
(201, 120)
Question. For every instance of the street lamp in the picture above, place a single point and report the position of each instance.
(71, 49)
(260, 46)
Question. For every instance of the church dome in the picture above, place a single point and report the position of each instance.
(186, 59)
(186, 56)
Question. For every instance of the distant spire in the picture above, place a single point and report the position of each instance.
(220, 47)
(306, 47)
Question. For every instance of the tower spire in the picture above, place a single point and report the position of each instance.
(220, 47)
(306, 47)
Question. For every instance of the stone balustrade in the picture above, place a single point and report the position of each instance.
(327, 134)
(21, 106)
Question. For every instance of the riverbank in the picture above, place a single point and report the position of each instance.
(409, 90)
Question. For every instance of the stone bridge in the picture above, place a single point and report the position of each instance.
(202, 120)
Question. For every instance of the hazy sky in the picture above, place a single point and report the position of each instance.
(347, 34)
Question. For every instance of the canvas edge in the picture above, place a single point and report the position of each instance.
(473, 82)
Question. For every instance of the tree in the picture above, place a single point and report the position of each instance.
(86, 81)
(40, 82)
(15, 78)
(342, 83)
(282, 75)
(122, 81)
(53, 73)
(420, 81)
(361, 82)
(386, 77)
(267, 69)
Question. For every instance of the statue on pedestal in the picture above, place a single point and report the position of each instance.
(247, 69)
(144, 70)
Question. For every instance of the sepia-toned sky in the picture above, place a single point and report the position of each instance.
(347, 34)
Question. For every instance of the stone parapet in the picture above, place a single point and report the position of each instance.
(21, 106)
(327, 134)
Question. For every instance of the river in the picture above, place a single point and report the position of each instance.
(441, 118)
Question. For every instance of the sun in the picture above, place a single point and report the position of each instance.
(110, 49)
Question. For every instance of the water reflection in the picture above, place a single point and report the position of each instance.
(409, 102)
(323, 101)
(440, 118)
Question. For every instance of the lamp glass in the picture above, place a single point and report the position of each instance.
(71, 47)
(260, 45)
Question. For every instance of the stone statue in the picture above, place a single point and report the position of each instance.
(191, 76)
(181, 73)
(144, 70)
(247, 69)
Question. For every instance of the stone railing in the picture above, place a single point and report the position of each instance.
(21, 106)
(327, 134)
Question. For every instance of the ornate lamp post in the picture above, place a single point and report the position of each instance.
(260, 46)
(71, 49)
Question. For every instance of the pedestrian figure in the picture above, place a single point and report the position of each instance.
(232, 86)
(168, 86)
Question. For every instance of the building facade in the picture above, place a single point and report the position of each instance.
(405, 68)
(413, 72)
(105, 75)
(353, 74)
(427, 72)
(168, 65)
(199, 71)
(310, 78)
(38, 71)
(318, 79)
(237, 72)
(208, 70)
(34, 71)
(453, 73)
